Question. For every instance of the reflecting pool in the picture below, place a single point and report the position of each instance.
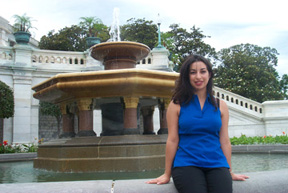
(23, 172)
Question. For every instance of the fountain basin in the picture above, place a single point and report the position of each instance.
(111, 83)
(103, 154)
(119, 55)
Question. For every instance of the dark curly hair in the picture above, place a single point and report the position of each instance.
(184, 91)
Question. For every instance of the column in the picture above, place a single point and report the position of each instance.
(25, 128)
(130, 116)
(67, 122)
(147, 113)
(22, 116)
(163, 105)
(85, 117)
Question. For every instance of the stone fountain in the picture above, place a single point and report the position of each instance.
(123, 94)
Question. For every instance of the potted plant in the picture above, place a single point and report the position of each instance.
(21, 27)
(92, 26)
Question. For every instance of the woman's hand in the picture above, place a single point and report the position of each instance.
(164, 179)
(239, 177)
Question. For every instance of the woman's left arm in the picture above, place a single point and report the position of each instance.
(225, 140)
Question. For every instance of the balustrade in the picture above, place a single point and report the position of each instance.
(58, 57)
(147, 60)
(238, 100)
(6, 53)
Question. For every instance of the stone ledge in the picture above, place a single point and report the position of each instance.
(259, 182)
(17, 157)
(275, 148)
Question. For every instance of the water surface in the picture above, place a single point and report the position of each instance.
(23, 172)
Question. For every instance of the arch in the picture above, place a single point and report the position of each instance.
(34, 58)
(144, 61)
(70, 61)
(227, 98)
(232, 100)
(40, 59)
(52, 60)
(149, 60)
(9, 56)
(46, 60)
(82, 61)
(64, 60)
(58, 60)
(76, 61)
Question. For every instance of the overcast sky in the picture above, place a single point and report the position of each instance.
(228, 22)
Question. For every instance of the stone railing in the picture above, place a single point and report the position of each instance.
(58, 57)
(238, 102)
(147, 60)
(6, 53)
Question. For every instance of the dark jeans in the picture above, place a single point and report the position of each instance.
(192, 179)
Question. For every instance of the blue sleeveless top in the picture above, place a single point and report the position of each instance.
(199, 143)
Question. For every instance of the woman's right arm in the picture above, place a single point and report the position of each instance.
(172, 116)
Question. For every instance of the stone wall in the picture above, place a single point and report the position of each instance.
(48, 127)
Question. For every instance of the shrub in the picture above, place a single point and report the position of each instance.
(244, 140)
(6, 101)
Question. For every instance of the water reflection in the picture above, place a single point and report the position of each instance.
(23, 172)
(259, 162)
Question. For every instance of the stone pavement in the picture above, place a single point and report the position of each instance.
(259, 182)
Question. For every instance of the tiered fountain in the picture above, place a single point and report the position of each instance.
(123, 93)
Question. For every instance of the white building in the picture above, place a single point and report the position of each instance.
(24, 66)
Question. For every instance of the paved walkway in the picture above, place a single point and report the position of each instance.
(259, 182)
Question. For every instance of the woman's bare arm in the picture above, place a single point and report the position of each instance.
(225, 140)
(171, 144)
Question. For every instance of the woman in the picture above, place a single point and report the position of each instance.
(198, 149)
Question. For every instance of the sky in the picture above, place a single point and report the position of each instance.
(228, 22)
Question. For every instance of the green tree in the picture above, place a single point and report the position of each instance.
(182, 43)
(141, 31)
(67, 39)
(94, 27)
(6, 101)
(249, 70)
(284, 85)
(6, 105)
(70, 38)
(89, 24)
